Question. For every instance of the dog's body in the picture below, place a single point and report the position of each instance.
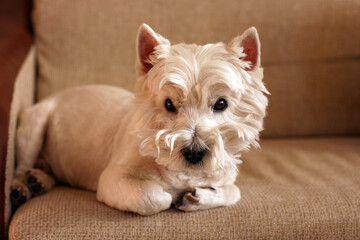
(177, 141)
(81, 126)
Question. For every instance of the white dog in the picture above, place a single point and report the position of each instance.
(176, 141)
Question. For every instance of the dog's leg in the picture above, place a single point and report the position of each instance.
(19, 192)
(39, 182)
(29, 142)
(205, 198)
(32, 182)
(127, 193)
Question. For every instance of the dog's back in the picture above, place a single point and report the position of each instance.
(73, 132)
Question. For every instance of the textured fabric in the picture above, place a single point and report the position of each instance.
(310, 50)
(316, 99)
(291, 189)
(23, 97)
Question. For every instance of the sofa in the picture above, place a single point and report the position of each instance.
(304, 181)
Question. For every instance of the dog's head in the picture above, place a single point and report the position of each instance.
(198, 107)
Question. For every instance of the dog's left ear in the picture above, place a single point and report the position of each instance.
(250, 43)
(147, 43)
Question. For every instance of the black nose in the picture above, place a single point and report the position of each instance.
(193, 155)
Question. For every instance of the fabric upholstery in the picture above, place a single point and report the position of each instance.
(291, 189)
(310, 50)
(23, 97)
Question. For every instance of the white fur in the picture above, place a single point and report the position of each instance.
(128, 147)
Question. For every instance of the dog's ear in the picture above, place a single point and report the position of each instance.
(146, 43)
(250, 43)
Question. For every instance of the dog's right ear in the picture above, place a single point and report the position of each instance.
(150, 46)
(250, 43)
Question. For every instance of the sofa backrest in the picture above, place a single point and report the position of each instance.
(310, 51)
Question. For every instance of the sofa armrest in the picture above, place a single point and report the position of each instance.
(23, 97)
(15, 42)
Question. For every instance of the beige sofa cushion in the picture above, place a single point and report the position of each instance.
(310, 50)
(291, 189)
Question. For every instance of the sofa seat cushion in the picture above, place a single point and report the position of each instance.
(301, 188)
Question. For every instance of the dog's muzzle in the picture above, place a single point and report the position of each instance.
(193, 155)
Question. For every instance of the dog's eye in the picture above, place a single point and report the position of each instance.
(220, 105)
(169, 105)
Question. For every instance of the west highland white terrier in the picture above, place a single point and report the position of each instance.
(177, 140)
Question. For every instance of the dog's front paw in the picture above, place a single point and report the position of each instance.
(155, 200)
(198, 199)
